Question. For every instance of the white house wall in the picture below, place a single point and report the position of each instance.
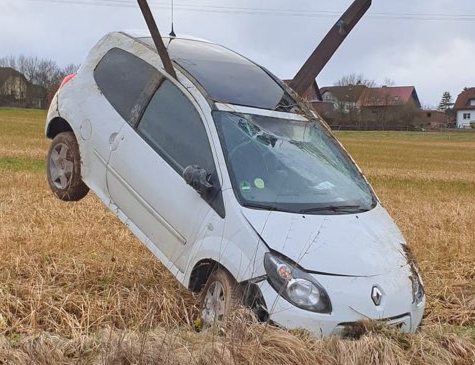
(465, 123)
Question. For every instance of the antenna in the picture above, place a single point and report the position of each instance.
(172, 33)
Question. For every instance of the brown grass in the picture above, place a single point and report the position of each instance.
(77, 288)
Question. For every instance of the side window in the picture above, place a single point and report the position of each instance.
(173, 127)
(127, 82)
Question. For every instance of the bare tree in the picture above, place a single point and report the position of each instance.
(43, 72)
(70, 69)
(388, 82)
(354, 79)
(8, 61)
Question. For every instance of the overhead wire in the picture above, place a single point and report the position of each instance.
(268, 11)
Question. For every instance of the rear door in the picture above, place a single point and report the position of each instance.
(146, 166)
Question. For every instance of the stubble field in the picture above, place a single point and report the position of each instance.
(77, 288)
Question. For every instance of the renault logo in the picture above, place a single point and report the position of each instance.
(376, 295)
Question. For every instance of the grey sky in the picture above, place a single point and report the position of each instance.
(426, 43)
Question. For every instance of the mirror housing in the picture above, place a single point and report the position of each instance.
(197, 178)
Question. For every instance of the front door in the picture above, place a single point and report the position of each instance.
(145, 173)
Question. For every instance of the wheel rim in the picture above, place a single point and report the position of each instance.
(213, 303)
(60, 167)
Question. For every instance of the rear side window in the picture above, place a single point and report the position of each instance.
(127, 82)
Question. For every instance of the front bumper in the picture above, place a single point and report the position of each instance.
(351, 302)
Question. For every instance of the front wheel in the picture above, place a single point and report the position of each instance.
(63, 168)
(220, 296)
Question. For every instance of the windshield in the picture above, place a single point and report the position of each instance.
(290, 165)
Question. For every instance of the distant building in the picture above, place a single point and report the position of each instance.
(16, 91)
(343, 98)
(362, 108)
(13, 87)
(434, 120)
(313, 97)
(465, 109)
(391, 107)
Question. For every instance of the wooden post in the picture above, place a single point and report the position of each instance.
(327, 47)
(157, 38)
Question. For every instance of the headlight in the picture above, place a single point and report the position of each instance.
(417, 287)
(295, 285)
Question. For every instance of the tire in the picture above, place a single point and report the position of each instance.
(220, 296)
(63, 168)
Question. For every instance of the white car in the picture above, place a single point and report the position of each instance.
(233, 183)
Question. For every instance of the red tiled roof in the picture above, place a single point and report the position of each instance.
(464, 98)
(389, 95)
(349, 94)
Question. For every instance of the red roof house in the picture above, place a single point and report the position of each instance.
(389, 96)
(465, 108)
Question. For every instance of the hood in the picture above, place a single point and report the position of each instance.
(363, 244)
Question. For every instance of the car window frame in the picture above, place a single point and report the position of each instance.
(214, 197)
(134, 114)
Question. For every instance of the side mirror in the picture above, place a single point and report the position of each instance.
(197, 178)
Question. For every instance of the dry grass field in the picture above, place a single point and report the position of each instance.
(77, 288)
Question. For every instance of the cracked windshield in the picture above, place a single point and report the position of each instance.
(289, 165)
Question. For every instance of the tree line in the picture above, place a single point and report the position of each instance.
(43, 72)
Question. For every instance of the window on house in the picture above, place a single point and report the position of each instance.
(471, 102)
(466, 115)
(429, 115)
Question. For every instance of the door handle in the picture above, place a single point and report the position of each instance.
(114, 141)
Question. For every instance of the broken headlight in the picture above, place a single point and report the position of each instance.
(295, 285)
(417, 287)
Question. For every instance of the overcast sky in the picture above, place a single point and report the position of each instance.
(426, 43)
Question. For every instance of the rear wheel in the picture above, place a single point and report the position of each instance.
(63, 168)
(221, 295)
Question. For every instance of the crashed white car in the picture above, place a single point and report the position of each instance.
(233, 184)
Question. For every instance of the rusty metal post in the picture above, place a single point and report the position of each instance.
(157, 38)
(327, 47)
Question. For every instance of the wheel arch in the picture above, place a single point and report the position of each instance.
(57, 125)
(200, 274)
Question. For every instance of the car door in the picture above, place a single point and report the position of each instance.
(145, 172)
(115, 87)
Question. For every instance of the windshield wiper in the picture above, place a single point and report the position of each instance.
(270, 208)
(336, 209)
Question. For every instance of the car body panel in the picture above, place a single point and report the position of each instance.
(367, 244)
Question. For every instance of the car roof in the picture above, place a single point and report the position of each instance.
(225, 76)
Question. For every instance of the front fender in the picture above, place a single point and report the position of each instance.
(243, 261)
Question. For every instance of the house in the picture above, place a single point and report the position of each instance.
(391, 107)
(465, 108)
(313, 97)
(343, 98)
(434, 120)
(16, 91)
(362, 107)
(389, 96)
(13, 87)
(36, 97)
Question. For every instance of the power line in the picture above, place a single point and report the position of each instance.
(267, 11)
